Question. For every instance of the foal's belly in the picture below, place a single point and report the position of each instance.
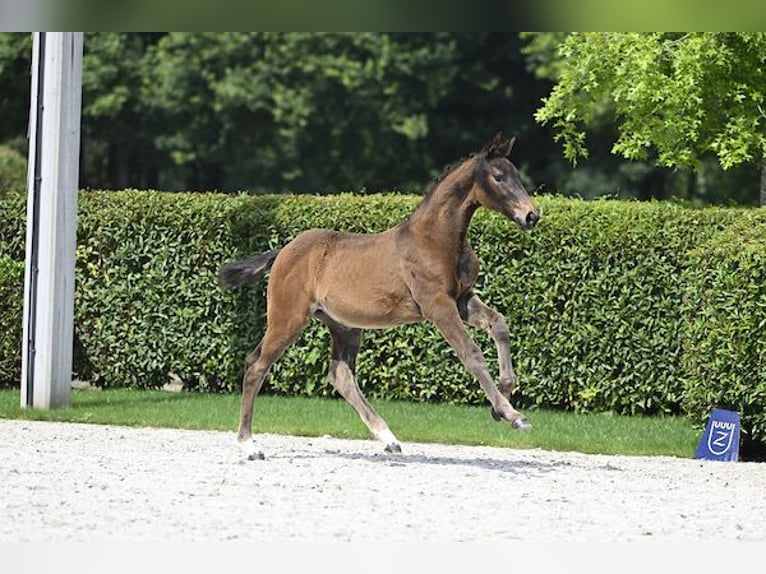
(378, 311)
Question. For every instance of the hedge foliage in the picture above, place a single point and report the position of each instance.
(595, 297)
(11, 310)
(628, 307)
(724, 327)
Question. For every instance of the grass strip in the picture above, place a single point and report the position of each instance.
(411, 422)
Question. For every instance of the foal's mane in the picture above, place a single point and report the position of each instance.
(429, 193)
(445, 172)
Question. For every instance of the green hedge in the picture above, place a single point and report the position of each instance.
(11, 310)
(724, 327)
(13, 213)
(593, 299)
(597, 297)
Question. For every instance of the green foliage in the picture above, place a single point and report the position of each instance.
(15, 64)
(613, 306)
(118, 123)
(684, 95)
(13, 213)
(724, 334)
(268, 111)
(11, 310)
(315, 112)
(592, 297)
(541, 51)
(147, 300)
(13, 171)
(372, 111)
(295, 90)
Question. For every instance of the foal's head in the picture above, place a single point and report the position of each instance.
(498, 185)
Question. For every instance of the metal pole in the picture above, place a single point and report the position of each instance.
(54, 150)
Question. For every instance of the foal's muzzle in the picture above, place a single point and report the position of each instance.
(531, 219)
(526, 215)
(527, 220)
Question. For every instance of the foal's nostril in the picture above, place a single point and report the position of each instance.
(532, 219)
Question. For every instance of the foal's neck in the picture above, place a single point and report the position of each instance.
(445, 213)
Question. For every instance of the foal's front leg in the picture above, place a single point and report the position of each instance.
(443, 313)
(475, 313)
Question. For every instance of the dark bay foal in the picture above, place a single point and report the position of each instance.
(421, 270)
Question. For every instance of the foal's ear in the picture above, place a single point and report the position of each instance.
(505, 149)
(492, 147)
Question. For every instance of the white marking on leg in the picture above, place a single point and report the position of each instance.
(386, 436)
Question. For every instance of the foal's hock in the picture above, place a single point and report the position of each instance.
(421, 270)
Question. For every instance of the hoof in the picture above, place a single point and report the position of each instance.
(393, 448)
(247, 448)
(495, 415)
(521, 423)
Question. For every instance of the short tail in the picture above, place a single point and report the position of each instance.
(237, 273)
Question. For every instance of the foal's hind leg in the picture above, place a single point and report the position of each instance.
(277, 338)
(345, 346)
(474, 312)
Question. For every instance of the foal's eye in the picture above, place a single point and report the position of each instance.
(499, 177)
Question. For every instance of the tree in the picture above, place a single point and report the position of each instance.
(327, 112)
(118, 125)
(683, 97)
(317, 112)
(15, 60)
(297, 111)
(330, 112)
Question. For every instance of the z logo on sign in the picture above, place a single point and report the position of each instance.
(721, 438)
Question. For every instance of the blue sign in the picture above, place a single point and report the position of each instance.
(720, 441)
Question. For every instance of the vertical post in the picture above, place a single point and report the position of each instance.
(54, 149)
